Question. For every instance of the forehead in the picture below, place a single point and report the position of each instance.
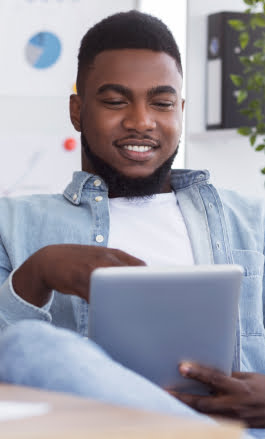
(138, 69)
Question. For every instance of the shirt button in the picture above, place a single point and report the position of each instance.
(74, 197)
(99, 238)
(218, 245)
(97, 183)
(210, 205)
(99, 198)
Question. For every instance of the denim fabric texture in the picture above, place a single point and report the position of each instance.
(79, 367)
(224, 228)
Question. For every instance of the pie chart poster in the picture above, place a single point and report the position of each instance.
(39, 42)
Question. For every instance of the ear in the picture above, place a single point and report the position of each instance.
(75, 111)
(183, 104)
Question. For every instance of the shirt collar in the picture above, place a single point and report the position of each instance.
(83, 180)
(180, 178)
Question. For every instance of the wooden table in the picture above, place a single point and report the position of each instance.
(77, 418)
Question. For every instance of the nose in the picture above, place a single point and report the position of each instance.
(139, 118)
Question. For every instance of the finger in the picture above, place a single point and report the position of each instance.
(225, 408)
(217, 405)
(211, 405)
(242, 375)
(189, 399)
(257, 421)
(128, 259)
(222, 406)
(217, 380)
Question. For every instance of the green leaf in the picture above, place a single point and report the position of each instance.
(257, 20)
(244, 131)
(253, 23)
(255, 104)
(247, 112)
(245, 61)
(263, 171)
(258, 79)
(261, 128)
(250, 2)
(241, 96)
(238, 25)
(243, 39)
(260, 44)
(237, 80)
(260, 147)
(260, 20)
(253, 139)
(255, 82)
(247, 70)
(257, 58)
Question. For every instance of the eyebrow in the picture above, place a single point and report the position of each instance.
(118, 88)
(160, 89)
(125, 91)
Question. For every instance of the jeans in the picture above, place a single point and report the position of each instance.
(39, 355)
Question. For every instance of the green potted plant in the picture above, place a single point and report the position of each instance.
(251, 84)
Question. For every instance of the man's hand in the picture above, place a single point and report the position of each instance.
(240, 397)
(66, 268)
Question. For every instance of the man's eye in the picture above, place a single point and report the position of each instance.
(115, 103)
(163, 104)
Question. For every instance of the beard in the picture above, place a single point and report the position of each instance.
(120, 185)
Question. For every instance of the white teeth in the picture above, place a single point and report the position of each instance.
(140, 148)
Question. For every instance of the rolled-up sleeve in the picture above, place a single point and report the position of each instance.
(13, 308)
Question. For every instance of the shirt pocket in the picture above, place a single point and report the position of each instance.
(251, 303)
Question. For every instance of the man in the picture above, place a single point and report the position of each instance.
(126, 208)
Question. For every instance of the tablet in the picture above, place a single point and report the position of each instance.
(150, 319)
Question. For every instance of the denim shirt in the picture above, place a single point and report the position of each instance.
(223, 227)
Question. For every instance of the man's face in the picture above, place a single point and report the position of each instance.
(131, 110)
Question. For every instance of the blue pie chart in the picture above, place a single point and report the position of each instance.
(43, 50)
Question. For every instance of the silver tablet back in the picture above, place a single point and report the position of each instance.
(151, 319)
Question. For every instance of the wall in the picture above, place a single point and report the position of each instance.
(33, 128)
(228, 156)
(174, 15)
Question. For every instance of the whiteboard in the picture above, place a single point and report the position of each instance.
(36, 164)
(34, 116)
(40, 41)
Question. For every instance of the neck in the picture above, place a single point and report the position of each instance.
(166, 188)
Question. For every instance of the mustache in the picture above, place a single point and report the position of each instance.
(119, 185)
(122, 139)
(137, 137)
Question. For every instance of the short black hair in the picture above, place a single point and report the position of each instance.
(125, 30)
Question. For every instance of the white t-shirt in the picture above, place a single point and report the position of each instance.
(152, 230)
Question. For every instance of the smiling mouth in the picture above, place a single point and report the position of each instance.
(137, 152)
(137, 148)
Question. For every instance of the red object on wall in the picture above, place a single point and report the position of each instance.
(70, 144)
